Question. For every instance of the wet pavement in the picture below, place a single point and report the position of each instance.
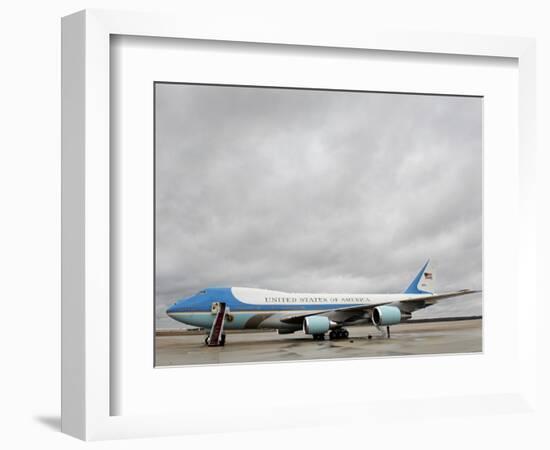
(406, 339)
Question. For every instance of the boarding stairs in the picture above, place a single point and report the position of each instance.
(216, 338)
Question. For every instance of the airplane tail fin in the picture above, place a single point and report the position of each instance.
(423, 283)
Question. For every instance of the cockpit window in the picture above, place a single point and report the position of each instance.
(201, 292)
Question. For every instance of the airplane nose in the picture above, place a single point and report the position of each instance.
(171, 309)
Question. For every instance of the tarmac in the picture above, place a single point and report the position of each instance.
(426, 338)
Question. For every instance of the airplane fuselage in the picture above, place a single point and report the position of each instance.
(250, 308)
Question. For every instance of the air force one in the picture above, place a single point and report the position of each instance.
(238, 308)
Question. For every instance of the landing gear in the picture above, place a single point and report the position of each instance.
(382, 334)
(318, 337)
(338, 333)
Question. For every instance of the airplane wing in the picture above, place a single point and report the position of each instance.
(412, 304)
(348, 312)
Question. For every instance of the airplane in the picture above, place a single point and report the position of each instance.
(238, 308)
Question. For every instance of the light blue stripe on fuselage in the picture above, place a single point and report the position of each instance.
(235, 320)
(206, 319)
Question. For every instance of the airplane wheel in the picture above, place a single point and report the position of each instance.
(318, 337)
(339, 333)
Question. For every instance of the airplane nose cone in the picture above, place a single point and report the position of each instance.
(171, 309)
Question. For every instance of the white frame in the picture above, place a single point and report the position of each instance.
(85, 190)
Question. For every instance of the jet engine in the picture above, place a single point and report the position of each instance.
(387, 315)
(318, 324)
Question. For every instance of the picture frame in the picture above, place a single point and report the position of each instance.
(88, 325)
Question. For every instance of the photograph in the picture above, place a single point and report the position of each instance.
(299, 224)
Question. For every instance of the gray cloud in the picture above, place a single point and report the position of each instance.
(317, 191)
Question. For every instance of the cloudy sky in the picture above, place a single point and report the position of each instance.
(316, 191)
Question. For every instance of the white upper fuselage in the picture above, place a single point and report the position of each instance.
(266, 298)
